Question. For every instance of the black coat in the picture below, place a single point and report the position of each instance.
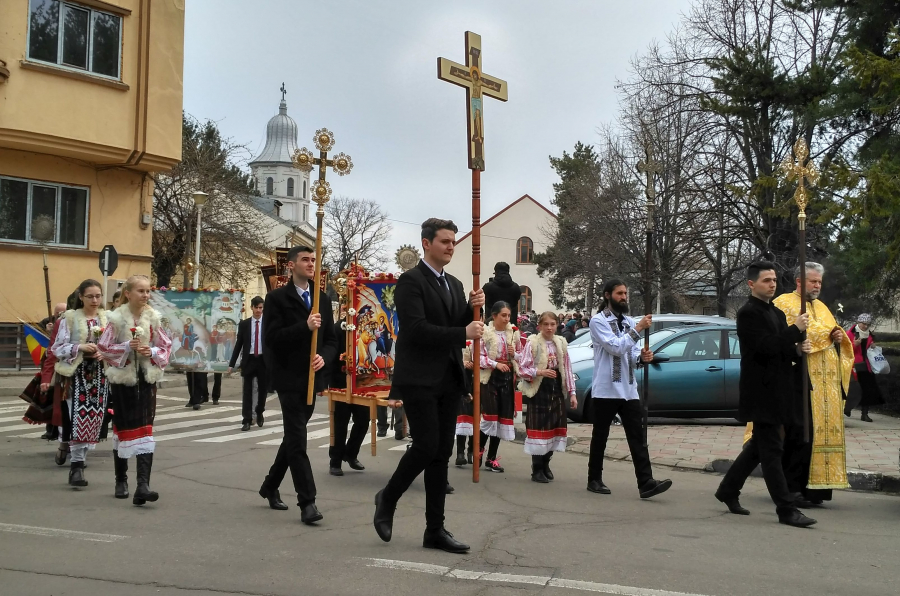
(288, 340)
(243, 345)
(432, 327)
(505, 289)
(337, 376)
(770, 370)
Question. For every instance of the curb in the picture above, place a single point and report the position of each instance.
(859, 479)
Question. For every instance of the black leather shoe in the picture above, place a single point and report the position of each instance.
(196, 406)
(384, 516)
(443, 540)
(654, 487)
(804, 503)
(76, 474)
(355, 464)
(215, 401)
(460, 460)
(273, 497)
(733, 504)
(189, 405)
(597, 486)
(245, 426)
(310, 514)
(335, 471)
(796, 519)
(259, 419)
(381, 433)
(865, 418)
(449, 490)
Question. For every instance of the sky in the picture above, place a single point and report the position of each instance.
(366, 69)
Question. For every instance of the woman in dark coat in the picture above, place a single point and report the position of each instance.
(863, 339)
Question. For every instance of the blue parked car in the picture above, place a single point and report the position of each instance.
(694, 374)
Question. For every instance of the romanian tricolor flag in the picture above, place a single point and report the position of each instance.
(36, 341)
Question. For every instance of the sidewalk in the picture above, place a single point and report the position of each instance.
(873, 448)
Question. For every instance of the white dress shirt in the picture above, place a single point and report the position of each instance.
(253, 326)
(617, 352)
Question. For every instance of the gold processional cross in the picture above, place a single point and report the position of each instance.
(304, 161)
(472, 77)
(803, 170)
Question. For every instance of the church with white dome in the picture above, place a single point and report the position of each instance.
(284, 188)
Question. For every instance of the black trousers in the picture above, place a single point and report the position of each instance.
(382, 418)
(347, 448)
(431, 413)
(797, 460)
(292, 451)
(603, 411)
(765, 447)
(198, 390)
(253, 368)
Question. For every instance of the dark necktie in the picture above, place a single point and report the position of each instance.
(443, 281)
(306, 299)
(256, 340)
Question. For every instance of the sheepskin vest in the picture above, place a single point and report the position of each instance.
(541, 358)
(492, 344)
(122, 321)
(78, 334)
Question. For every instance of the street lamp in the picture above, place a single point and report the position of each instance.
(200, 199)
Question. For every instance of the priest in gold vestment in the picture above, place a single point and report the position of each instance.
(815, 472)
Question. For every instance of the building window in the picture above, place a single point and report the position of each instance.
(290, 187)
(304, 189)
(524, 250)
(270, 186)
(26, 206)
(525, 300)
(75, 36)
(305, 212)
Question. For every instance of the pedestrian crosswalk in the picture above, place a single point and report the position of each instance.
(211, 424)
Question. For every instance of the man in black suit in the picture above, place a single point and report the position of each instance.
(249, 344)
(345, 448)
(287, 335)
(769, 394)
(435, 321)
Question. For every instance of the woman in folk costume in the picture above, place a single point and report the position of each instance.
(862, 337)
(136, 350)
(465, 418)
(546, 377)
(499, 348)
(79, 366)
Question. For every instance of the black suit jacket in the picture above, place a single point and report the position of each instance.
(244, 344)
(770, 371)
(432, 327)
(287, 340)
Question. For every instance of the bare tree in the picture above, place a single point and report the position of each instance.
(354, 230)
(232, 229)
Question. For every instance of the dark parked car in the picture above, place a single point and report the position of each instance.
(694, 374)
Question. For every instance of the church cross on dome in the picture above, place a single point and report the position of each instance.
(283, 91)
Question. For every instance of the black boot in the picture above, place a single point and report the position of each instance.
(76, 474)
(865, 414)
(537, 469)
(460, 450)
(143, 492)
(547, 471)
(121, 467)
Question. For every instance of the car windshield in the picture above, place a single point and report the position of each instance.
(658, 337)
(582, 340)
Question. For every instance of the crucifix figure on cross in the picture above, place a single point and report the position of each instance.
(283, 91)
(477, 84)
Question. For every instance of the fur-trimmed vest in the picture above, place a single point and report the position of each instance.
(493, 346)
(77, 324)
(536, 344)
(122, 321)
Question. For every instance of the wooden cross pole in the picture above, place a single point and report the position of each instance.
(477, 84)
(649, 168)
(341, 163)
(803, 170)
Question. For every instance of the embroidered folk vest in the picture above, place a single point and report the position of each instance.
(77, 324)
(122, 321)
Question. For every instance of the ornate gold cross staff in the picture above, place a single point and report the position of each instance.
(649, 168)
(477, 84)
(804, 171)
(321, 191)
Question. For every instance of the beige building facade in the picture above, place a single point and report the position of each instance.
(90, 106)
(512, 235)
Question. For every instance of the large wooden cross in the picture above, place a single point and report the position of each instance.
(304, 161)
(649, 168)
(477, 84)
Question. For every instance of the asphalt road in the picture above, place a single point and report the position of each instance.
(210, 533)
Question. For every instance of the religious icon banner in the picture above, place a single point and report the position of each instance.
(202, 326)
(375, 333)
